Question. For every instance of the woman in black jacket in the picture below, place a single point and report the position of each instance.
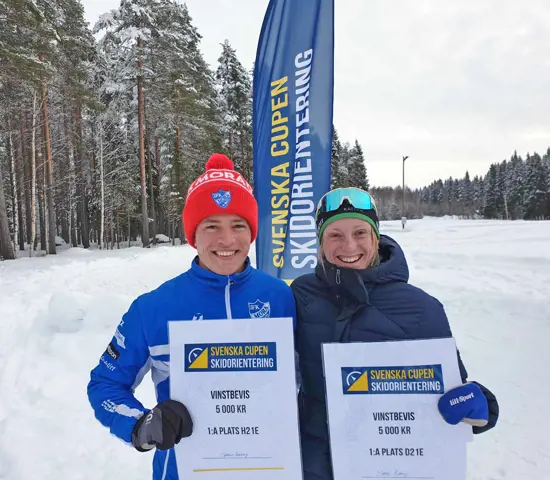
(360, 293)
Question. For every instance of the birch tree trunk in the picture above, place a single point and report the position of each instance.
(69, 137)
(33, 179)
(161, 221)
(129, 229)
(40, 190)
(179, 182)
(48, 173)
(82, 214)
(151, 186)
(6, 245)
(26, 162)
(141, 121)
(14, 191)
(117, 230)
(102, 180)
(65, 192)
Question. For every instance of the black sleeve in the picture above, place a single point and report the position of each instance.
(462, 368)
(493, 410)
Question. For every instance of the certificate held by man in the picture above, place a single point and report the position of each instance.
(382, 410)
(237, 378)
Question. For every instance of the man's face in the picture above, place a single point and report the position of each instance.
(223, 242)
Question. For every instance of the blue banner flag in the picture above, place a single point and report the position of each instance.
(292, 131)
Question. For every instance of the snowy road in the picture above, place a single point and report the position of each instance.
(58, 313)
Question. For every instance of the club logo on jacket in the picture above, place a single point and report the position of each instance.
(259, 309)
(222, 197)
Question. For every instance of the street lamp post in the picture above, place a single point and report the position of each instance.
(403, 217)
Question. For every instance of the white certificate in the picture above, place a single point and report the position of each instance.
(237, 378)
(382, 410)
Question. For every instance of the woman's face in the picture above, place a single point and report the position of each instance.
(350, 243)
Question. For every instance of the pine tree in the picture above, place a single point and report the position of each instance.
(49, 35)
(536, 189)
(515, 181)
(28, 41)
(23, 34)
(234, 87)
(478, 194)
(546, 167)
(344, 166)
(490, 209)
(181, 120)
(114, 82)
(336, 180)
(132, 28)
(357, 172)
(395, 211)
(437, 196)
(449, 196)
(503, 190)
(465, 195)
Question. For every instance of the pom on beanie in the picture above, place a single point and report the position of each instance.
(218, 161)
(220, 190)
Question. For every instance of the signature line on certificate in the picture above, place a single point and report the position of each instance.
(401, 477)
(236, 469)
(236, 458)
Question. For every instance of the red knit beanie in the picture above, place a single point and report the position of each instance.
(221, 190)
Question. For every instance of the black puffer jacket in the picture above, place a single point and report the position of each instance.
(345, 305)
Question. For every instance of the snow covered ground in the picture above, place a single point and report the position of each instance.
(58, 313)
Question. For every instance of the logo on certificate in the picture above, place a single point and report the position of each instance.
(230, 357)
(410, 379)
(197, 358)
(356, 381)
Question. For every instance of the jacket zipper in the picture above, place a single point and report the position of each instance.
(338, 276)
(228, 299)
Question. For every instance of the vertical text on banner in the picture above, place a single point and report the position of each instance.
(292, 131)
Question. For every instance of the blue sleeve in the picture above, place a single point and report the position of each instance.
(119, 371)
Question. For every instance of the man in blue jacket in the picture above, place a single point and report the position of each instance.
(220, 218)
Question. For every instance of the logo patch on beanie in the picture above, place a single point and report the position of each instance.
(222, 197)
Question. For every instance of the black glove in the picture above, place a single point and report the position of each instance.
(162, 427)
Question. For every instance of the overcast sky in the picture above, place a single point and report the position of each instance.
(453, 84)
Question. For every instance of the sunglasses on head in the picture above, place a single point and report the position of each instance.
(357, 198)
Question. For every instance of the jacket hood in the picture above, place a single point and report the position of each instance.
(392, 267)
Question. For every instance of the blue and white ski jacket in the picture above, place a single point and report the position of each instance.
(140, 342)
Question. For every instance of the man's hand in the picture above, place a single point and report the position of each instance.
(162, 427)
